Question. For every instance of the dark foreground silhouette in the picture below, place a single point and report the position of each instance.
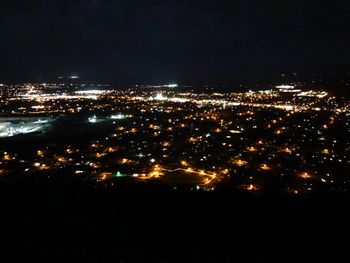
(60, 222)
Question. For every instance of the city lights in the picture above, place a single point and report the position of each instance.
(245, 139)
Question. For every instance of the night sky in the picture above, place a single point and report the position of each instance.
(171, 41)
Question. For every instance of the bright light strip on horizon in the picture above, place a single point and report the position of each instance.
(117, 117)
(160, 97)
(93, 91)
(313, 94)
(172, 86)
(57, 97)
(285, 87)
(180, 100)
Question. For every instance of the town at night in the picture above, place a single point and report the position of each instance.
(174, 131)
(279, 139)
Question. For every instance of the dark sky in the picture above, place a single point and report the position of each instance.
(164, 41)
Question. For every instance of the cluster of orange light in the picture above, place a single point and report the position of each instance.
(100, 155)
(6, 157)
(95, 145)
(265, 167)
(325, 151)
(193, 139)
(69, 150)
(111, 149)
(304, 175)
(125, 161)
(41, 166)
(153, 126)
(105, 175)
(156, 171)
(252, 149)
(61, 159)
(251, 187)
(184, 163)
(287, 150)
(95, 165)
(240, 162)
(166, 144)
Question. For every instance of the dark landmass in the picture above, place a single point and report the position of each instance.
(60, 222)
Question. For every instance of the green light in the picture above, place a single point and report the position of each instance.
(118, 174)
